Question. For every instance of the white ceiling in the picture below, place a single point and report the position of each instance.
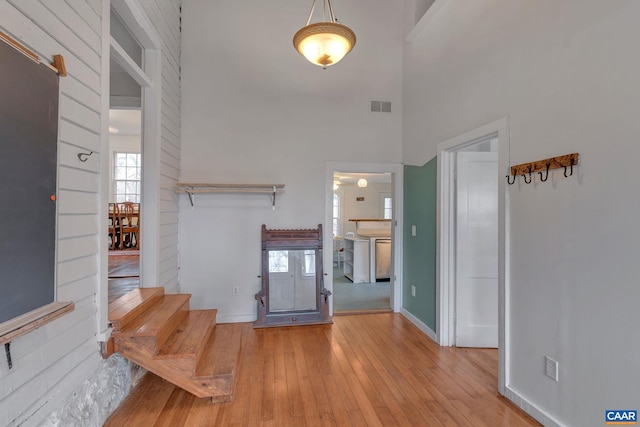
(352, 178)
(125, 122)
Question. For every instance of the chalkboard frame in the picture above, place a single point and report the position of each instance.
(29, 119)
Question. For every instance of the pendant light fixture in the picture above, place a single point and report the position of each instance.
(324, 43)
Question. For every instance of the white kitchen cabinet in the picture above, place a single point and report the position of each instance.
(356, 259)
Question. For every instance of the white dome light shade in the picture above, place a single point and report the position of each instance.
(324, 43)
(362, 183)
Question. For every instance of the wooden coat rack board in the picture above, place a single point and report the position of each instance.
(58, 61)
(568, 161)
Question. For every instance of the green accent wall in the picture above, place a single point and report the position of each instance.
(419, 252)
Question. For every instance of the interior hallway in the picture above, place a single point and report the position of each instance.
(373, 369)
(124, 272)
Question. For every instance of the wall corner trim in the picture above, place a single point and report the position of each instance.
(531, 409)
(419, 324)
(424, 22)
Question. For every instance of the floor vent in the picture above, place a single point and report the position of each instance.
(380, 106)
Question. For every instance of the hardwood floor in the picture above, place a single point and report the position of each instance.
(365, 370)
(124, 273)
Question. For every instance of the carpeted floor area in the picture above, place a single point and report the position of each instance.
(349, 296)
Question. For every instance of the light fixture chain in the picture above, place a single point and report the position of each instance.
(313, 6)
(333, 17)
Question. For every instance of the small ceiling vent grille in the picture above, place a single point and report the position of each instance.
(380, 106)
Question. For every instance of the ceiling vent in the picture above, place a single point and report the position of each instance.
(380, 106)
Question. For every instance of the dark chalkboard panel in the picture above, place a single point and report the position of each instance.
(28, 164)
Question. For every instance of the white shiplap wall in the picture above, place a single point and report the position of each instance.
(165, 14)
(51, 362)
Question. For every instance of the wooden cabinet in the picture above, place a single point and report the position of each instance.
(356, 259)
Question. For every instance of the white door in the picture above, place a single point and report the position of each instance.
(477, 250)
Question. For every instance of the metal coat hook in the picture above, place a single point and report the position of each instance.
(565, 169)
(525, 177)
(84, 156)
(7, 350)
(509, 181)
(273, 204)
(547, 175)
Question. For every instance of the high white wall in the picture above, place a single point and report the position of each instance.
(255, 111)
(565, 75)
(54, 360)
(165, 17)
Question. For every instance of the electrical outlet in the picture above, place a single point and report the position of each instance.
(551, 368)
(413, 291)
(236, 290)
(414, 232)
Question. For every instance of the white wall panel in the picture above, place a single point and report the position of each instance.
(165, 14)
(60, 30)
(54, 359)
(563, 74)
(258, 112)
(78, 136)
(76, 225)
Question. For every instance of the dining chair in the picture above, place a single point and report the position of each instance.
(129, 225)
(114, 227)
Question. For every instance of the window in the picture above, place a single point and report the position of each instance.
(127, 172)
(386, 206)
(387, 210)
(336, 215)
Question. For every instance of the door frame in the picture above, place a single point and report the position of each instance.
(445, 262)
(396, 230)
(150, 79)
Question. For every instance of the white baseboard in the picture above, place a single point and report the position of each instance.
(531, 409)
(423, 327)
(235, 318)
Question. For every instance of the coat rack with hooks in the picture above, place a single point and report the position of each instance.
(192, 188)
(542, 167)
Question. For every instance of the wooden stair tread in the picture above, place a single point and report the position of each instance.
(183, 346)
(153, 320)
(221, 355)
(190, 337)
(131, 305)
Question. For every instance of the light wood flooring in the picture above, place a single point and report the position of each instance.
(365, 370)
(124, 272)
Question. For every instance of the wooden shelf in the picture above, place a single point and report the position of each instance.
(26, 323)
(197, 187)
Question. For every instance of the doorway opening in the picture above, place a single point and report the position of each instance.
(472, 243)
(125, 191)
(363, 209)
(362, 215)
(136, 49)
(125, 161)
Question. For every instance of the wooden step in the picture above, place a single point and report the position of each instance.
(131, 305)
(219, 363)
(157, 323)
(184, 347)
(190, 337)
